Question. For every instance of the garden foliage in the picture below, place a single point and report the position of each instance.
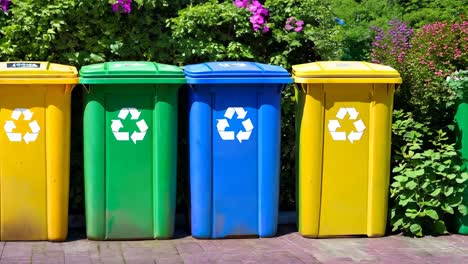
(223, 31)
(428, 173)
(83, 32)
(428, 182)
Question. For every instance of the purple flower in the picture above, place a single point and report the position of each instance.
(253, 8)
(257, 19)
(241, 3)
(259, 13)
(292, 23)
(290, 20)
(392, 44)
(256, 27)
(264, 11)
(122, 6)
(115, 7)
(4, 4)
(256, 3)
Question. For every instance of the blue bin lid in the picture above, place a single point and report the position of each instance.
(235, 72)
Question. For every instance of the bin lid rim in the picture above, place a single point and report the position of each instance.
(233, 69)
(344, 69)
(35, 70)
(130, 69)
(240, 80)
(133, 80)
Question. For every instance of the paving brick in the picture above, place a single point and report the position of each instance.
(288, 247)
(189, 248)
(77, 259)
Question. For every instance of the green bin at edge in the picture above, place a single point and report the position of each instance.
(461, 118)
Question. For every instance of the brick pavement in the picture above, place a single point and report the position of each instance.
(287, 247)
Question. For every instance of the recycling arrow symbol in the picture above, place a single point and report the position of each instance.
(125, 136)
(10, 126)
(231, 135)
(334, 124)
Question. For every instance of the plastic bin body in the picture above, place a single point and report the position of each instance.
(343, 138)
(130, 149)
(461, 118)
(234, 138)
(34, 149)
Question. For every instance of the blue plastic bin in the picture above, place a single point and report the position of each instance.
(234, 138)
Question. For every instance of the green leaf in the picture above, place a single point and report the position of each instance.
(449, 210)
(397, 224)
(416, 229)
(439, 227)
(401, 178)
(436, 192)
(448, 190)
(451, 176)
(463, 209)
(432, 214)
(411, 213)
(398, 169)
(96, 58)
(461, 179)
(411, 185)
(419, 172)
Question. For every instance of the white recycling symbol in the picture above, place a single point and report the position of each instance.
(10, 126)
(224, 123)
(334, 124)
(125, 136)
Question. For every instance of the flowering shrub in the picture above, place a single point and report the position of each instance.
(391, 46)
(424, 59)
(259, 14)
(427, 171)
(122, 6)
(221, 31)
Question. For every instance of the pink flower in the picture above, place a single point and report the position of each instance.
(292, 23)
(256, 27)
(257, 19)
(4, 4)
(241, 3)
(259, 13)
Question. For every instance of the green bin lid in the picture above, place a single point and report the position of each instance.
(131, 72)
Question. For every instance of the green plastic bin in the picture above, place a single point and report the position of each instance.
(130, 149)
(461, 119)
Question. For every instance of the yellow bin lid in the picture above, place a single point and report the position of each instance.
(35, 72)
(344, 72)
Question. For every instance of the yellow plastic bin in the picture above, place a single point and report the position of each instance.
(34, 149)
(343, 135)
